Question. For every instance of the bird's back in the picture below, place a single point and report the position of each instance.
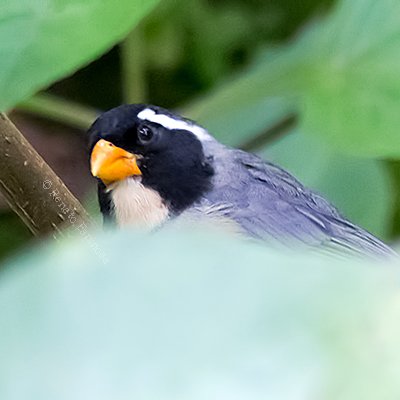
(268, 203)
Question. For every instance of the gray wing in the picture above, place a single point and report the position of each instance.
(270, 204)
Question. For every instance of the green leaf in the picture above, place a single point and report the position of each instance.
(252, 102)
(234, 120)
(360, 188)
(165, 319)
(355, 100)
(344, 73)
(42, 41)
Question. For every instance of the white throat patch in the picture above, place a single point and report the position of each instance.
(136, 205)
(170, 123)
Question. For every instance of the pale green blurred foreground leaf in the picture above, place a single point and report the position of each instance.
(184, 316)
(344, 72)
(42, 41)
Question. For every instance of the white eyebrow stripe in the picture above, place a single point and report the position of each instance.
(171, 123)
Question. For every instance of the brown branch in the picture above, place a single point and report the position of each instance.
(32, 189)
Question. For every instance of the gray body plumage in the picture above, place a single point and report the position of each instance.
(268, 203)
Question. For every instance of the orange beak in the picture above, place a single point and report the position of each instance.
(111, 163)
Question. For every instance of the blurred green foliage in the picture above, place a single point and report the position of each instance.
(165, 319)
(207, 41)
(13, 233)
(42, 41)
(343, 72)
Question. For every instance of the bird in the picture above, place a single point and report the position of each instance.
(155, 167)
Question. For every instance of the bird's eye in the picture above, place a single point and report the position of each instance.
(145, 134)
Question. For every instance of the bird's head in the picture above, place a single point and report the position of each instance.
(153, 146)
